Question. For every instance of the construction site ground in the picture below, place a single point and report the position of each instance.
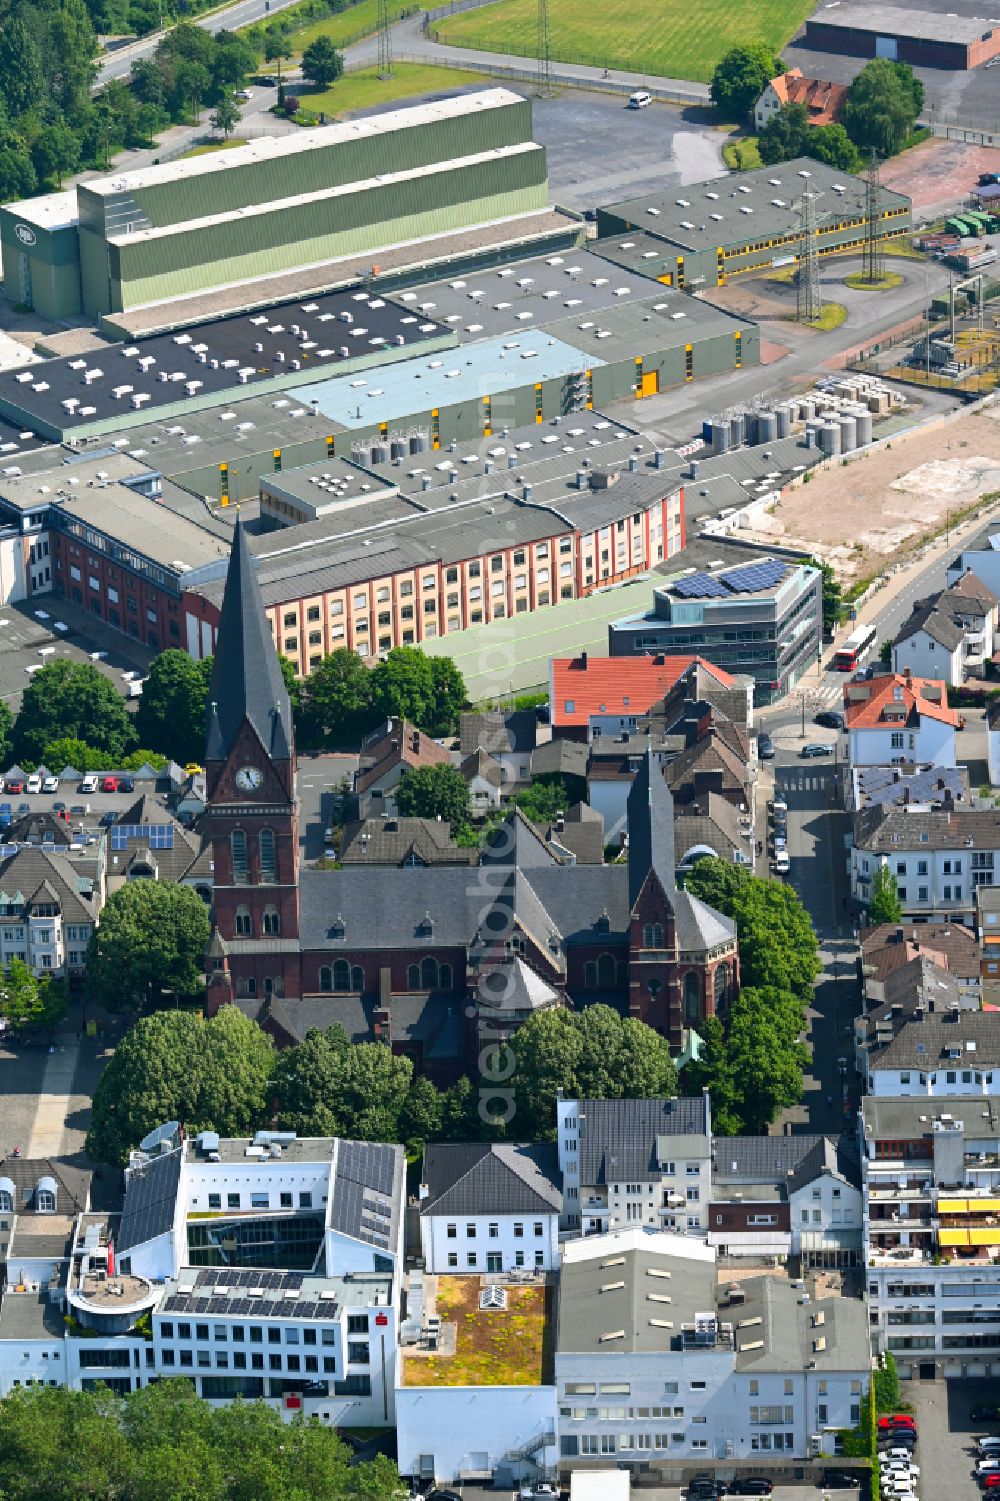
(864, 512)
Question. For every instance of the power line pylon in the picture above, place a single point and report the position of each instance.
(809, 302)
(384, 40)
(544, 86)
(874, 259)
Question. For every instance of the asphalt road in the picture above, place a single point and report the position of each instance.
(119, 64)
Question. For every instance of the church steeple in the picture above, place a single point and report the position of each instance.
(650, 812)
(246, 676)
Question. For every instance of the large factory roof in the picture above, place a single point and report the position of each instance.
(896, 20)
(466, 374)
(666, 321)
(49, 211)
(147, 528)
(213, 357)
(276, 148)
(749, 206)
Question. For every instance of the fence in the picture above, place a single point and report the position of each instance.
(972, 131)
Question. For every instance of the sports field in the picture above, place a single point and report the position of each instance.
(666, 38)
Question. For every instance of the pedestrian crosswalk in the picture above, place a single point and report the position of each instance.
(792, 779)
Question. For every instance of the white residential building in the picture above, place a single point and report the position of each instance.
(626, 1162)
(49, 907)
(932, 1235)
(938, 1054)
(655, 1362)
(950, 635)
(900, 717)
(797, 1195)
(489, 1208)
(938, 854)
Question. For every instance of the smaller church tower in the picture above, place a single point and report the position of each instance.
(654, 995)
(251, 814)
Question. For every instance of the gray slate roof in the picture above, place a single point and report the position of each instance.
(498, 732)
(618, 1138)
(390, 841)
(972, 1041)
(933, 618)
(72, 1183)
(470, 1178)
(829, 1333)
(367, 1193)
(592, 1304)
(52, 877)
(650, 830)
(150, 1200)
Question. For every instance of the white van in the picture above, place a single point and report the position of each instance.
(640, 99)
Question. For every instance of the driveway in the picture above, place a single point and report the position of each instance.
(944, 1451)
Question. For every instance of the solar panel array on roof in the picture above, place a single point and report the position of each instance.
(754, 576)
(698, 586)
(150, 1199)
(158, 836)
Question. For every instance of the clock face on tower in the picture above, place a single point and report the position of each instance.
(249, 778)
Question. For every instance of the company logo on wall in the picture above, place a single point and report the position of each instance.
(25, 235)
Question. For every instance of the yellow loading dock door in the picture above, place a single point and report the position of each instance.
(650, 383)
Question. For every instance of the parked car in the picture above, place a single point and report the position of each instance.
(59, 807)
(14, 784)
(990, 1481)
(897, 1420)
(88, 784)
(108, 818)
(782, 864)
(991, 1462)
(830, 719)
(751, 1485)
(34, 783)
(50, 783)
(765, 746)
(818, 748)
(706, 1485)
(192, 769)
(109, 784)
(840, 1480)
(126, 784)
(79, 810)
(988, 1444)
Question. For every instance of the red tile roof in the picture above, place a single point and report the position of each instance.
(822, 99)
(895, 701)
(586, 685)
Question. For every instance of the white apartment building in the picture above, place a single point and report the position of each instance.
(489, 1208)
(938, 853)
(932, 1232)
(270, 1268)
(49, 907)
(655, 1362)
(635, 1162)
(937, 1054)
(899, 717)
(950, 635)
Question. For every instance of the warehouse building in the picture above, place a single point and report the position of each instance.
(280, 205)
(762, 619)
(924, 38)
(701, 235)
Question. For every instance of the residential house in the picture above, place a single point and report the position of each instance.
(919, 987)
(656, 1362)
(591, 695)
(577, 835)
(49, 907)
(984, 562)
(711, 825)
(635, 1162)
(567, 759)
(148, 843)
(949, 635)
(883, 786)
(489, 1207)
(898, 718)
(508, 735)
(404, 842)
(387, 754)
(823, 101)
(937, 855)
(891, 946)
(484, 778)
(931, 1171)
(793, 1196)
(937, 1053)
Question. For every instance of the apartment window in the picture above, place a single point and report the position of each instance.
(470, 1231)
(494, 1230)
(451, 1232)
(453, 1258)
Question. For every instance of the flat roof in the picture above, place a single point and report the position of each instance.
(634, 250)
(759, 578)
(225, 354)
(318, 1149)
(669, 320)
(146, 527)
(329, 483)
(49, 211)
(275, 148)
(746, 206)
(397, 390)
(65, 473)
(896, 20)
(508, 1346)
(30, 1316)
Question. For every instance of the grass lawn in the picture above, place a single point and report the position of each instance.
(351, 24)
(511, 1347)
(832, 316)
(741, 156)
(364, 89)
(210, 146)
(670, 38)
(857, 281)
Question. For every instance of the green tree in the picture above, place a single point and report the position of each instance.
(543, 800)
(17, 175)
(784, 135)
(421, 1116)
(337, 702)
(881, 107)
(306, 1080)
(885, 903)
(765, 1057)
(226, 115)
(20, 66)
(328, 1086)
(171, 713)
(712, 1071)
(831, 144)
(435, 792)
(175, 1065)
(740, 78)
(55, 153)
(885, 654)
(277, 47)
(76, 700)
(6, 729)
(72, 49)
(192, 84)
(595, 1054)
(834, 608)
(403, 686)
(459, 1117)
(450, 696)
(233, 62)
(777, 942)
(19, 994)
(150, 942)
(321, 62)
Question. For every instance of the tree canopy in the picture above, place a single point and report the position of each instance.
(741, 77)
(752, 1064)
(76, 700)
(165, 1443)
(174, 1065)
(545, 799)
(321, 62)
(328, 1086)
(882, 106)
(778, 945)
(435, 792)
(788, 134)
(171, 713)
(150, 942)
(27, 1002)
(594, 1053)
(885, 903)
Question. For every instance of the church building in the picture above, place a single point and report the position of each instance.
(434, 960)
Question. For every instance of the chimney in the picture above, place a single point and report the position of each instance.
(415, 741)
(560, 821)
(583, 660)
(906, 795)
(954, 1013)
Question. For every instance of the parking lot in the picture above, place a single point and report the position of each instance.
(48, 629)
(649, 1492)
(945, 1451)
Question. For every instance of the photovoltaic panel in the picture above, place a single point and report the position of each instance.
(699, 586)
(754, 576)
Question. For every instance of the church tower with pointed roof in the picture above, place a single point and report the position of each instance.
(252, 815)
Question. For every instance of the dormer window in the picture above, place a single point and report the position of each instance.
(425, 928)
(338, 928)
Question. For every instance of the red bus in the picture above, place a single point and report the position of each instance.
(847, 658)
